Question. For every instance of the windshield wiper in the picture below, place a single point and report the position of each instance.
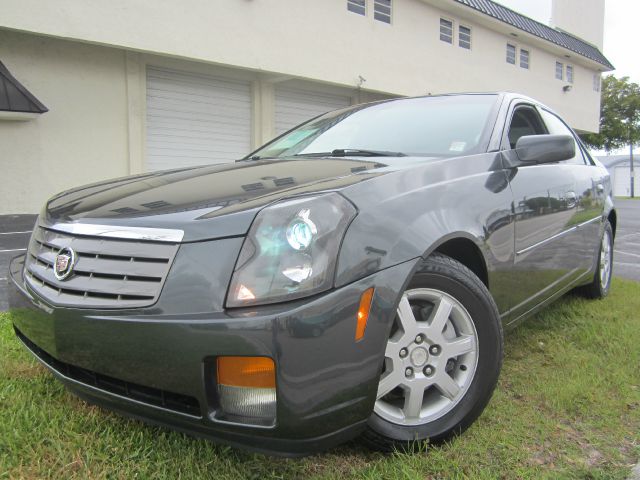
(352, 152)
(356, 152)
(255, 158)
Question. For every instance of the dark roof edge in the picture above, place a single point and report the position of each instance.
(604, 60)
(38, 106)
(538, 29)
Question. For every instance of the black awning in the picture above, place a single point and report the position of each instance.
(14, 97)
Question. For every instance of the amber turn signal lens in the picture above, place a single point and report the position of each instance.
(256, 372)
(363, 313)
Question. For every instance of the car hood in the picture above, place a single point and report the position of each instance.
(207, 202)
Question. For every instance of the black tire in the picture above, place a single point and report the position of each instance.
(447, 275)
(598, 289)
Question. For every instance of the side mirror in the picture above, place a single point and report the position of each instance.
(535, 149)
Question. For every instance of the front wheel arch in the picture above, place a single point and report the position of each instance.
(468, 253)
(613, 220)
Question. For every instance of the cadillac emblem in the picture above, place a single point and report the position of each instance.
(63, 265)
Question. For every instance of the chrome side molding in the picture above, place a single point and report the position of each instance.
(558, 235)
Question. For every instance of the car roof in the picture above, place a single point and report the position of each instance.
(502, 95)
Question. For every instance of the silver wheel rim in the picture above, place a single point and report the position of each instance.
(430, 359)
(605, 260)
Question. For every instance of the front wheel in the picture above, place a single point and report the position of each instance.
(442, 360)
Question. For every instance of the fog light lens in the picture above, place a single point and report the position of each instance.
(247, 389)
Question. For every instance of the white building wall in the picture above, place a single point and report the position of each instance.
(83, 138)
(588, 24)
(325, 42)
(485, 68)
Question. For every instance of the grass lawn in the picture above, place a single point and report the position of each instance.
(567, 406)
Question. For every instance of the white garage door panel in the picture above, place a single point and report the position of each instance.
(294, 106)
(195, 119)
(184, 110)
(622, 182)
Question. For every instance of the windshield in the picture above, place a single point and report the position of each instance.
(427, 126)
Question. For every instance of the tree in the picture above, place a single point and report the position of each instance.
(619, 118)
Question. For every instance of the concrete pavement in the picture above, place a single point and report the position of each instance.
(626, 256)
(14, 236)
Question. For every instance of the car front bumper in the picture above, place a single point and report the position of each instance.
(159, 367)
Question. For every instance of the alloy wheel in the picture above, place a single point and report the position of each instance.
(430, 359)
(605, 260)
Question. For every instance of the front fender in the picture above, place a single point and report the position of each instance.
(409, 213)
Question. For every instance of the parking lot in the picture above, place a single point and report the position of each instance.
(14, 235)
(627, 246)
(15, 231)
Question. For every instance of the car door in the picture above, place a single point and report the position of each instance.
(544, 206)
(589, 191)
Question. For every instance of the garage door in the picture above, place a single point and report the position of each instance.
(195, 119)
(294, 106)
(622, 183)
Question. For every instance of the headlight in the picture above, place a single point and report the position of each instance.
(291, 250)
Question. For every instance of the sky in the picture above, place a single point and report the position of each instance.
(620, 21)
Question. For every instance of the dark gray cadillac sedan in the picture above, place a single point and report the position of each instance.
(352, 277)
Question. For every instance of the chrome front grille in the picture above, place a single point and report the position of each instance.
(108, 273)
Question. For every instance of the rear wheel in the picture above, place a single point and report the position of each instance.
(442, 360)
(601, 283)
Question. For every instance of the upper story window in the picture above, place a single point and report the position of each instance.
(596, 82)
(524, 58)
(357, 6)
(511, 54)
(464, 37)
(446, 30)
(569, 73)
(559, 70)
(382, 10)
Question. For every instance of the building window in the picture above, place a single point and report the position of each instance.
(357, 6)
(446, 30)
(511, 54)
(524, 58)
(464, 37)
(569, 74)
(559, 70)
(596, 82)
(382, 10)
